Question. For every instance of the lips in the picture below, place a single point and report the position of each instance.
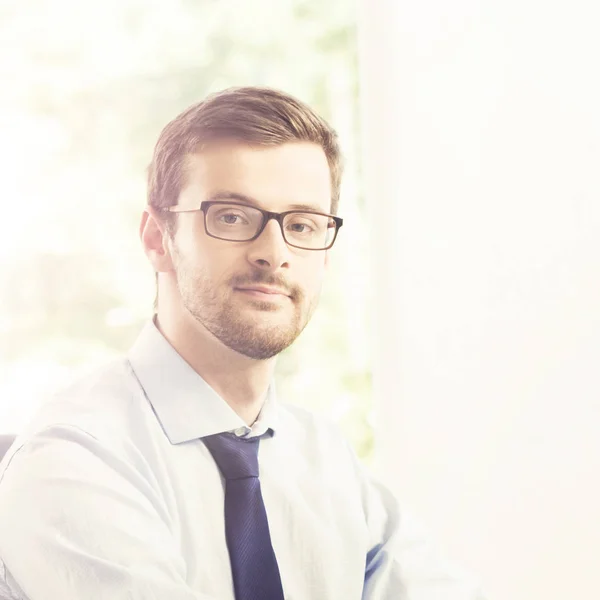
(260, 289)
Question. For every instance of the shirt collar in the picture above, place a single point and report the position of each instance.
(185, 405)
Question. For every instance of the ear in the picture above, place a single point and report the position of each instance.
(154, 238)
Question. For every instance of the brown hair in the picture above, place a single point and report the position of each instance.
(251, 115)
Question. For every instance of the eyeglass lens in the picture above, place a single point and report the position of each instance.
(239, 223)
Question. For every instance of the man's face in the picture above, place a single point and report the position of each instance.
(220, 281)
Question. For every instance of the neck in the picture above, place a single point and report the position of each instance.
(241, 381)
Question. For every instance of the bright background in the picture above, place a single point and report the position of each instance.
(457, 345)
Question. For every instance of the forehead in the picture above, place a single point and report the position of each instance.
(276, 176)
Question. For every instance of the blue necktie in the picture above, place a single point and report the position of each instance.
(253, 563)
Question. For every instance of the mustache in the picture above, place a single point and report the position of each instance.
(258, 278)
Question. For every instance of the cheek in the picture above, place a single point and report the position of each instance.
(220, 263)
(201, 256)
(313, 276)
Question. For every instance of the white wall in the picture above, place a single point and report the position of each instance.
(482, 154)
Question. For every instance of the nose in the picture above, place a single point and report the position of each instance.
(269, 250)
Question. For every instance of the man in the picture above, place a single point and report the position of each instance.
(175, 473)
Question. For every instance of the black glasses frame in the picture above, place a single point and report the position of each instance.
(267, 216)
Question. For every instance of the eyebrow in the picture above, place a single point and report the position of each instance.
(229, 195)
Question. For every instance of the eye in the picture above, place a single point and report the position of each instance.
(299, 227)
(230, 217)
(302, 224)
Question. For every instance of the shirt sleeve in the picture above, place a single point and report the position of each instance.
(77, 521)
(402, 564)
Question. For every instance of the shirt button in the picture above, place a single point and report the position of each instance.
(240, 431)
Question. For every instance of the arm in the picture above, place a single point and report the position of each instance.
(77, 521)
(401, 564)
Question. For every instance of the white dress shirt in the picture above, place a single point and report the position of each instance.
(110, 494)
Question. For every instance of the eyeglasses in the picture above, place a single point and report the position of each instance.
(236, 222)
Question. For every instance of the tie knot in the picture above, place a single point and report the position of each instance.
(237, 458)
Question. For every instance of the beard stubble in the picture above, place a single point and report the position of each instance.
(248, 328)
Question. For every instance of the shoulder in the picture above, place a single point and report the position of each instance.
(302, 423)
(105, 406)
(316, 437)
(93, 400)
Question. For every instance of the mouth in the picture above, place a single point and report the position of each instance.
(264, 293)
